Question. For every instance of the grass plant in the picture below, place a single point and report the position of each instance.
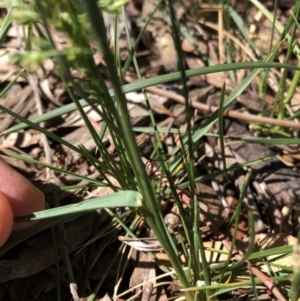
(83, 24)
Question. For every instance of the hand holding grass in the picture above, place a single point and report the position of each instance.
(18, 197)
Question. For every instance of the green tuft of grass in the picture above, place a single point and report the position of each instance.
(83, 24)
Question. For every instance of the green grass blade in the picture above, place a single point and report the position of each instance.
(119, 199)
(221, 125)
(60, 170)
(151, 211)
(5, 26)
(239, 23)
(159, 80)
(10, 84)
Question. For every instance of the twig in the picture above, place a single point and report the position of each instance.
(229, 113)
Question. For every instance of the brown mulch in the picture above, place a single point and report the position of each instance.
(27, 271)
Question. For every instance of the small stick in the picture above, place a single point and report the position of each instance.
(229, 113)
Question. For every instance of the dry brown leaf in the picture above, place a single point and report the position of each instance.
(273, 240)
(20, 140)
(158, 38)
(37, 252)
(143, 272)
(104, 190)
